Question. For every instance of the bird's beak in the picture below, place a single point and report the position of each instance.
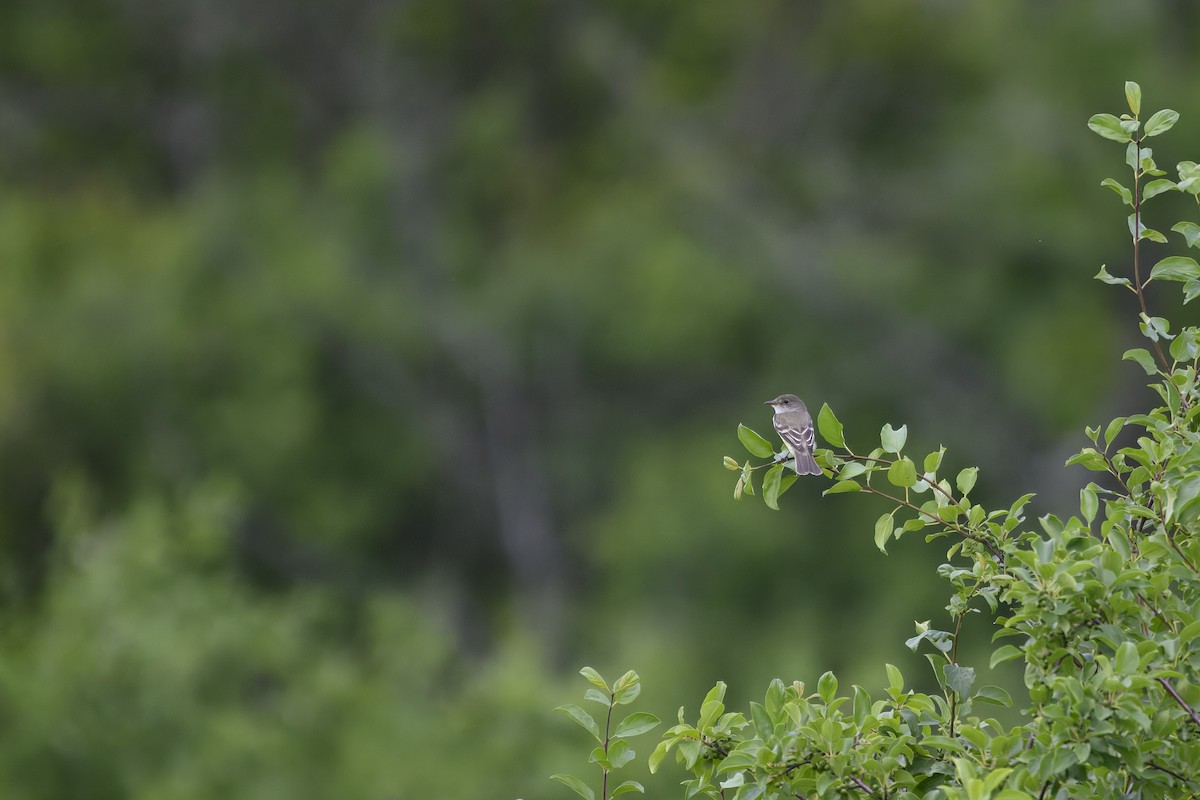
(768, 402)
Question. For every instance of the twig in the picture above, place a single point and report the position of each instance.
(862, 785)
(1170, 772)
(1183, 704)
(966, 534)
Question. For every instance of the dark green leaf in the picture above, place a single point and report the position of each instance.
(1161, 122)
(994, 695)
(829, 427)
(757, 445)
(960, 679)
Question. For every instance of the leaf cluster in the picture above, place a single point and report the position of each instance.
(1102, 609)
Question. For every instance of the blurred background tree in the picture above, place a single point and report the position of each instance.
(366, 367)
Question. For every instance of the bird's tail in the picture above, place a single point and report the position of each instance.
(805, 464)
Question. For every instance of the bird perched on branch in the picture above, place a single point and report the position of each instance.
(794, 425)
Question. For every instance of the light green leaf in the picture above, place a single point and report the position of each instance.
(1191, 290)
(1127, 660)
(902, 473)
(1089, 503)
(1109, 127)
(1118, 187)
(842, 486)
(635, 724)
(862, 706)
(895, 677)
(1161, 122)
(1190, 232)
(771, 486)
(1157, 187)
(583, 718)
(1005, 653)
(1142, 357)
(829, 427)
(594, 679)
(892, 439)
(934, 460)
(577, 785)
(757, 445)
(1176, 268)
(883, 530)
(1103, 275)
(1133, 96)
(827, 686)
(966, 480)
(628, 786)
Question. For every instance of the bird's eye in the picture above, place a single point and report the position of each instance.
(785, 402)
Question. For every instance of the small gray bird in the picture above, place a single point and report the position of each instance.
(794, 425)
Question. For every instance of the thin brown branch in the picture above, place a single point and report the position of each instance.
(960, 530)
(1166, 684)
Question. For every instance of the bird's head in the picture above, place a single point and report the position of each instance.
(785, 402)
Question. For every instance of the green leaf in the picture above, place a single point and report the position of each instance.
(960, 679)
(635, 724)
(1103, 275)
(628, 786)
(594, 679)
(1112, 429)
(1089, 503)
(862, 706)
(842, 486)
(1127, 660)
(895, 677)
(1157, 187)
(1154, 328)
(1190, 232)
(772, 486)
(827, 686)
(883, 530)
(1176, 268)
(994, 695)
(757, 445)
(902, 473)
(1141, 356)
(583, 718)
(1133, 96)
(1120, 189)
(892, 439)
(1161, 122)
(577, 785)
(1109, 127)
(934, 460)
(966, 480)
(1005, 653)
(829, 427)
(1191, 290)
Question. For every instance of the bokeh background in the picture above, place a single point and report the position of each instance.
(366, 367)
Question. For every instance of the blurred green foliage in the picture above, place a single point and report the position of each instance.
(446, 296)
